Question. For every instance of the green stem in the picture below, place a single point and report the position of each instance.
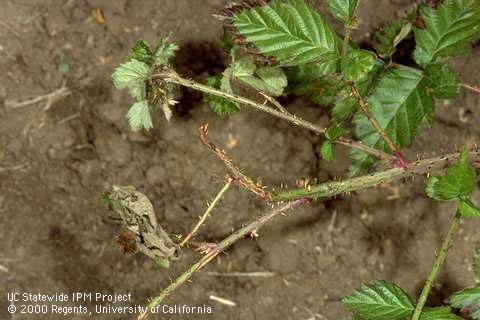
(346, 40)
(245, 101)
(173, 77)
(333, 188)
(401, 160)
(220, 247)
(437, 265)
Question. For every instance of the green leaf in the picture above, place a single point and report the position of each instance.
(468, 300)
(315, 81)
(387, 39)
(226, 42)
(271, 80)
(439, 313)
(442, 80)
(450, 30)
(380, 301)
(292, 32)
(164, 52)
(344, 10)
(334, 132)
(457, 184)
(468, 209)
(274, 79)
(243, 67)
(132, 75)
(218, 104)
(343, 109)
(327, 151)
(357, 64)
(401, 105)
(142, 52)
(139, 116)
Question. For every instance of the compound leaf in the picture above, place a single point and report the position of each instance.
(380, 301)
(218, 104)
(439, 313)
(468, 300)
(457, 184)
(132, 75)
(442, 80)
(401, 105)
(139, 116)
(292, 32)
(344, 10)
(387, 39)
(449, 31)
(357, 64)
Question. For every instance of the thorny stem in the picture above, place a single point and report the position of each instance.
(235, 172)
(205, 215)
(346, 40)
(221, 246)
(471, 87)
(436, 265)
(401, 161)
(274, 102)
(333, 188)
(173, 77)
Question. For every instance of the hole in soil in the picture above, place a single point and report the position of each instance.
(196, 60)
(403, 54)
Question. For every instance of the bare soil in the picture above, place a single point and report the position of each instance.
(57, 159)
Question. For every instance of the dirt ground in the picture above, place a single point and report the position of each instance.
(57, 159)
